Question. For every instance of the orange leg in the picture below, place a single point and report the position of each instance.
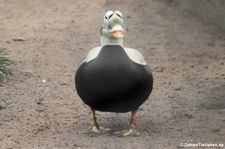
(130, 131)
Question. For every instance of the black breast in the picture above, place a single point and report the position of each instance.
(112, 82)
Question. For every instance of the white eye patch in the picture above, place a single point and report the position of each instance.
(107, 15)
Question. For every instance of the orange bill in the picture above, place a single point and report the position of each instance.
(118, 34)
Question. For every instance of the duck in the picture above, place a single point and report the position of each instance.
(114, 78)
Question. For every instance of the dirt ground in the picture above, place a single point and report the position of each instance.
(48, 39)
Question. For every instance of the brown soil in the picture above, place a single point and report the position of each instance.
(48, 39)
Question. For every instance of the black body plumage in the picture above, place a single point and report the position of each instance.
(112, 82)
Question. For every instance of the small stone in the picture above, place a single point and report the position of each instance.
(3, 104)
(63, 84)
(172, 97)
(19, 39)
(192, 66)
(189, 116)
(178, 129)
(158, 69)
(216, 130)
(206, 78)
(177, 89)
(43, 81)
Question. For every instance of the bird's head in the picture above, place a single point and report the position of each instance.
(113, 26)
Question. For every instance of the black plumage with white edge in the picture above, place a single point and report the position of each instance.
(112, 82)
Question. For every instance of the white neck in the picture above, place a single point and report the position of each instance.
(110, 41)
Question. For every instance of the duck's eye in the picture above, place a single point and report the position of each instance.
(107, 15)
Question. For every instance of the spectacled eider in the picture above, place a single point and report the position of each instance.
(113, 78)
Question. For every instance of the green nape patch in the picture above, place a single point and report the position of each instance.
(5, 63)
(114, 22)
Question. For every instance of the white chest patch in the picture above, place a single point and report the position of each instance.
(133, 54)
(92, 54)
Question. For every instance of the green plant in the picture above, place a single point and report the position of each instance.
(4, 63)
